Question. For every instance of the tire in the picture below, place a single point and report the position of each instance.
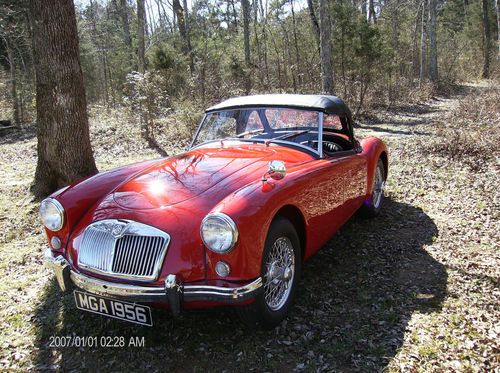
(371, 207)
(282, 246)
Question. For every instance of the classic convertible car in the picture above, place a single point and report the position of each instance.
(267, 180)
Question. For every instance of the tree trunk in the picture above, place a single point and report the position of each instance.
(314, 20)
(423, 44)
(188, 37)
(183, 31)
(415, 68)
(497, 6)
(141, 43)
(298, 68)
(325, 49)
(487, 39)
(127, 40)
(433, 63)
(371, 12)
(364, 3)
(13, 82)
(64, 149)
(245, 6)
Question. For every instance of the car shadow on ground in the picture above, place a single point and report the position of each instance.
(354, 303)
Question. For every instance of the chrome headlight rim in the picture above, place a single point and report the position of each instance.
(60, 210)
(230, 223)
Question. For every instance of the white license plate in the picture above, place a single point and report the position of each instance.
(116, 309)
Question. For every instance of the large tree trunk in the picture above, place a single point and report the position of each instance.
(325, 48)
(141, 43)
(433, 63)
(64, 150)
(486, 39)
(245, 6)
(127, 40)
(423, 44)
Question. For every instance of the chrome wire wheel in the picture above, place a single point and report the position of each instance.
(378, 187)
(280, 272)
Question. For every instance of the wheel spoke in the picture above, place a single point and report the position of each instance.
(280, 273)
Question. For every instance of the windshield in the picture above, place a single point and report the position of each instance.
(261, 124)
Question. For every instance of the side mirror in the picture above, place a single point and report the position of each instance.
(277, 170)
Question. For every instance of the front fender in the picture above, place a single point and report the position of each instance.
(79, 197)
(374, 149)
(252, 208)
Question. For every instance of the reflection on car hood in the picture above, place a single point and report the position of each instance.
(179, 178)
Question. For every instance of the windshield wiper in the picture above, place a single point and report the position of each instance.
(286, 136)
(253, 132)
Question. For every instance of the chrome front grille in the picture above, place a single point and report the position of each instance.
(124, 249)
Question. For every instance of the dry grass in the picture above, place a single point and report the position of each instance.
(414, 290)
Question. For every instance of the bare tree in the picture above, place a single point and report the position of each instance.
(314, 20)
(181, 15)
(188, 36)
(245, 6)
(486, 39)
(497, 6)
(423, 44)
(13, 79)
(371, 11)
(64, 149)
(325, 48)
(141, 43)
(433, 63)
(123, 9)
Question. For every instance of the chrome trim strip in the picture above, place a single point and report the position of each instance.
(320, 135)
(197, 132)
(278, 142)
(67, 278)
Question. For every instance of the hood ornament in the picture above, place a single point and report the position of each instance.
(276, 170)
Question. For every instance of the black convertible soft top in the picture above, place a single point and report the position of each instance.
(327, 104)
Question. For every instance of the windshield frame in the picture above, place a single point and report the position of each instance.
(317, 152)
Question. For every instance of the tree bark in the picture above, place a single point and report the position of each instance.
(245, 6)
(141, 43)
(497, 6)
(13, 82)
(64, 149)
(188, 36)
(183, 30)
(314, 20)
(371, 11)
(325, 49)
(423, 44)
(127, 40)
(433, 63)
(486, 40)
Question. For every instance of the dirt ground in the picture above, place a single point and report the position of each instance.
(415, 290)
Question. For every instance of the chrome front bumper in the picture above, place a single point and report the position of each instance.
(172, 292)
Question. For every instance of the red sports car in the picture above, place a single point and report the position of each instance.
(267, 180)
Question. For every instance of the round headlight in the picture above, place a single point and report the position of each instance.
(219, 232)
(52, 214)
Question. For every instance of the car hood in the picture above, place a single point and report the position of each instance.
(176, 179)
